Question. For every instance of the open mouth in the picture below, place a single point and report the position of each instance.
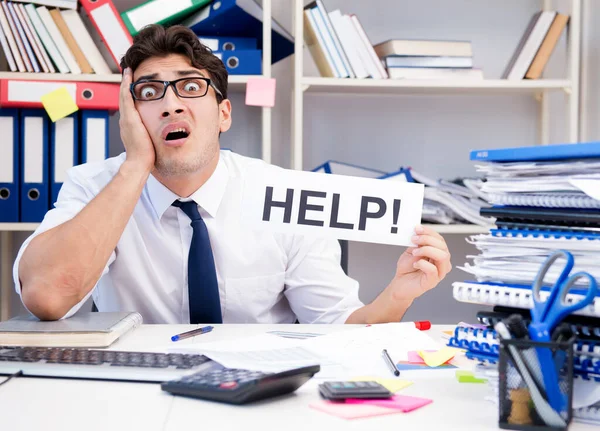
(177, 134)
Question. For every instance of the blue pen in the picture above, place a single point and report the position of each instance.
(192, 333)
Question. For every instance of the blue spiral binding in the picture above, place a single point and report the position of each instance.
(544, 234)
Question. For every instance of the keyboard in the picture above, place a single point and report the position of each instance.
(82, 363)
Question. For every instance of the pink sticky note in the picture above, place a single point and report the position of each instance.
(415, 358)
(351, 411)
(260, 92)
(404, 403)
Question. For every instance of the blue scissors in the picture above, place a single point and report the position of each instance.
(546, 315)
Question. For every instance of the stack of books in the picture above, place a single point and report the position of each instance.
(428, 59)
(536, 45)
(232, 29)
(51, 36)
(339, 44)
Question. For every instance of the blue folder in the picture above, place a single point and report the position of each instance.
(34, 165)
(240, 18)
(64, 151)
(10, 145)
(227, 43)
(246, 62)
(94, 136)
(585, 150)
(342, 168)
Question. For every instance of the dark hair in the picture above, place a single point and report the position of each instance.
(154, 40)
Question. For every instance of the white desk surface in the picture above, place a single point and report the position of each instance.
(59, 404)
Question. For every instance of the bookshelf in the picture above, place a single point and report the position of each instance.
(237, 84)
(389, 87)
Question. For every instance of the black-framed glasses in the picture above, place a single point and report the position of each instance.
(188, 87)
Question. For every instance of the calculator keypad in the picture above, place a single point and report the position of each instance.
(226, 379)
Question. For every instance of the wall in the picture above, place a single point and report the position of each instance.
(433, 134)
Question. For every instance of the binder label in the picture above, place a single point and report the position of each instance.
(338, 206)
(7, 150)
(33, 150)
(112, 32)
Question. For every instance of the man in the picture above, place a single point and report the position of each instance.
(156, 229)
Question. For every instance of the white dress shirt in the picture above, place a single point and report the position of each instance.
(263, 277)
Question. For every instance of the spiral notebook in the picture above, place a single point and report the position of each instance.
(516, 296)
(544, 200)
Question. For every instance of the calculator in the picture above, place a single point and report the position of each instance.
(240, 386)
(344, 390)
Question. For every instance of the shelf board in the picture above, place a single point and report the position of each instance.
(236, 82)
(18, 227)
(460, 228)
(453, 228)
(441, 86)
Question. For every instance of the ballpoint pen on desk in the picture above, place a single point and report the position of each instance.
(191, 333)
(390, 363)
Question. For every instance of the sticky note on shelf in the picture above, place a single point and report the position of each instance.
(260, 92)
(59, 104)
(392, 385)
(439, 357)
(464, 376)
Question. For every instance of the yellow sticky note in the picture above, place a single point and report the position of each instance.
(392, 385)
(59, 103)
(435, 359)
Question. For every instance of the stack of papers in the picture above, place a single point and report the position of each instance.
(558, 184)
(447, 202)
(341, 355)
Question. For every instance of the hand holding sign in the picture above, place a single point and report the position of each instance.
(360, 209)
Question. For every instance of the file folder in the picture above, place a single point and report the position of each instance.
(342, 168)
(544, 216)
(110, 26)
(226, 43)
(15, 93)
(64, 152)
(584, 150)
(94, 136)
(159, 12)
(247, 62)
(34, 168)
(9, 165)
(240, 18)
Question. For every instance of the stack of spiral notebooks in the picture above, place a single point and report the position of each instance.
(543, 198)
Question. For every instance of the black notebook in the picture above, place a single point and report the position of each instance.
(80, 330)
(554, 216)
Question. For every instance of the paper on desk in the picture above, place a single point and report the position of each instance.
(392, 385)
(264, 352)
(359, 350)
(351, 411)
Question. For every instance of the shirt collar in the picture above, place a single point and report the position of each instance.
(208, 196)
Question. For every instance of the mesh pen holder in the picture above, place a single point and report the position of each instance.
(523, 400)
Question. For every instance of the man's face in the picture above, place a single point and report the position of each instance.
(185, 131)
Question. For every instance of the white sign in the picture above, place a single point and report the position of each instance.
(339, 206)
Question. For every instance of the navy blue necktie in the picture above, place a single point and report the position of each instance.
(203, 289)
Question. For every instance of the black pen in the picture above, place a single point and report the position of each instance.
(390, 363)
(192, 333)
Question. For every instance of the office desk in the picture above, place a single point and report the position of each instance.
(59, 404)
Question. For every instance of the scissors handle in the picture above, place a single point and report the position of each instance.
(540, 308)
(562, 308)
